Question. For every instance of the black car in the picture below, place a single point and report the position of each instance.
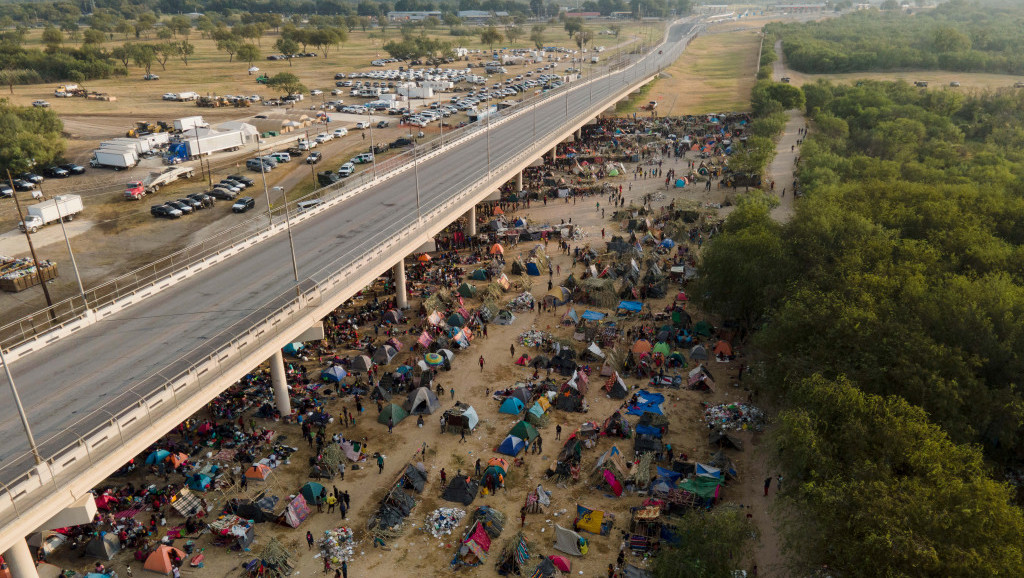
(57, 172)
(164, 211)
(313, 158)
(23, 185)
(242, 205)
(203, 198)
(379, 148)
(237, 184)
(399, 143)
(74, 169)
(194, 203)
(31, 177)
(242, 179)
(222, 194)
(327, 178)
(6, 191)
(185, 208)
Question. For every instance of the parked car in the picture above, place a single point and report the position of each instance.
(164, 211)
(242, 179)
(185, 208)
(326, 178)
(31, 177)
(195, 204)
(399, 143)
(57, 172)
(222, 194)
(383, 124)
(6, 191)
(340, 132)
(258, 165)
(203, 198)
(40, 104)
(23, 185)
(346, 169)
(362, 125)
(230, 185)
(74, 169)
(313, 158)
(150, 77)
(242, 205)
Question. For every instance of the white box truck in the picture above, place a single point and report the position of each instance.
(141, 146)
(187, 96)
(116, 159)
(59, 207)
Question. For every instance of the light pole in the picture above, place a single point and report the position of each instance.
(291, 241)
(416, 172)
(263, 173)
(487, 130)
(74, 264)
(21, 409)
(373, 152)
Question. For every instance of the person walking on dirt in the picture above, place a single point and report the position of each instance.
(482, 362)
(767, 483)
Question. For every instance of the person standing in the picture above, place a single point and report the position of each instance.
(345, 498)
(512, 349)
(482, 363)
(558, 431)
(453, 393)
(767, 483)
(380, 465)
(344, 569)
(309, 539)
(478, 467)
(391, 424)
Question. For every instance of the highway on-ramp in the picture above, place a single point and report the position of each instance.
(71, 378)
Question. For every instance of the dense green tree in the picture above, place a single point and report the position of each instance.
(711, 544)
(248, 53)
(287, 46)
(287, 83)
(572, 26)
(29, 136)
(490, 36)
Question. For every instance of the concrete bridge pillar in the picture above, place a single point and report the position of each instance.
(519, 182)
(471, 218)
(554, 152)
(280, 382)
(19, 560)
(578, 135)
(401, 297)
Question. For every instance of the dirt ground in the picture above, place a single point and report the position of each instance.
(416, 550)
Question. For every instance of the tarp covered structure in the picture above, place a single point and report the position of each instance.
(616, 387)
(461, 489)
(569, 542)
(589, 520)
(460, 417)
(296, 512)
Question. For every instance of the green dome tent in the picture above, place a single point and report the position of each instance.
(524, 430)
(392, 411)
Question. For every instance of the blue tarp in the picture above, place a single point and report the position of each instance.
(633, 306)
(156, 457)
(708, 471)
(334, 373)
(668, 243)
(668, 475)
(512, 406)
(199, 482)
(646, 402)
(593, 315)
(532, 270)
(648, 430)
(537, 410)
(511, 446)
(293, 348)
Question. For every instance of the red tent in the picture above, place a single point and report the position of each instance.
(561, 562)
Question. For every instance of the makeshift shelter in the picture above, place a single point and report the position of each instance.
(569, 399)
(532, 269)
(723, 440)
(456, 320)
(703, 328)
(161, 560)
(258, 472)
(646, 402)
(296, 512)
(361, 363)
(611, 469)
(593, 521)
(461, 489)
(186, 503)
(513, 556)
(422, 401)
(384, 354)
(294, 348)
(394, 316)
(616, 425)
(616, 387)
(570, 542)
(200, 482)
(505, 317)
(334, 374)
(311, 491)
(524, 431)
(156, 457)
(467, 290)
(414, 477)
(461, 417)
(474, 548)
(512, 406)
(394, 412)
(511, 446)
(104, 547)
(259, 511)
(724, 464)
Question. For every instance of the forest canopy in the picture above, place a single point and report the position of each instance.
(957, 36)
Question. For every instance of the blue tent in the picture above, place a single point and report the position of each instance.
(403, 369)
(648, 430)
(156, 457)
(537, 410)
(200, 482)
(680, 183)
(668, 243)
(334, 373)
(532, 270)
(511, 446)
(293, 348)
(668, 475)
(631, 306)
(707, 471)
(511, 405)
(593, 315)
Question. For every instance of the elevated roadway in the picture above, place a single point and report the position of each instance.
(100, 395)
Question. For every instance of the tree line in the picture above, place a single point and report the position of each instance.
(956, 35)
(888, 317)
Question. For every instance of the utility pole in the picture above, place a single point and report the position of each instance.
(32, 248)
(21, 409)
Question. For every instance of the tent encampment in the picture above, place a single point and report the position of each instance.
(160, 561)
(569, 542)
(698, 353)
(467, 290)
(361, 363)
(461, 489)
(422, 401)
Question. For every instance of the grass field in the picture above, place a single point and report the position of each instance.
(715, 74)
(936, 78)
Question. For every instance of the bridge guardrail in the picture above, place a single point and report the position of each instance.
(68, 454)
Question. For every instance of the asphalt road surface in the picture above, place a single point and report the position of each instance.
(68, 380)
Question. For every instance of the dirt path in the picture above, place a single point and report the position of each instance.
(781, 170)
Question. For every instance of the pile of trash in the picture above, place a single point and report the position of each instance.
(534, 338)
(337, 545)
(523, 302)
(733, 416)
(442, 521)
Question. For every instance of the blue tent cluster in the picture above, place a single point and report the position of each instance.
(646, 402)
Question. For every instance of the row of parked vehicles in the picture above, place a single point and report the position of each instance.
(29, 181)
(227, 189)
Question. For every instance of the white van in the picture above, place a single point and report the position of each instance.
(361, 125)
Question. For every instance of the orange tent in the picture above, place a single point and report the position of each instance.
(424, 258)
(177, 459)
(642, 346)
(723, 349)
(160, 560)
(258, 472)
(498, 211)
(497, 249)
(500, 462)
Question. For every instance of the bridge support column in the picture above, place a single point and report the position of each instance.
(519, 182)
(471, 222)
(20, 561)
(578, 135)
(401, 297)
(554, 151)
(280, 382)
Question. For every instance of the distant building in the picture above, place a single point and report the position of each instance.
(583, 15)
(797, 8)
(479, 16)
(413, 15)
